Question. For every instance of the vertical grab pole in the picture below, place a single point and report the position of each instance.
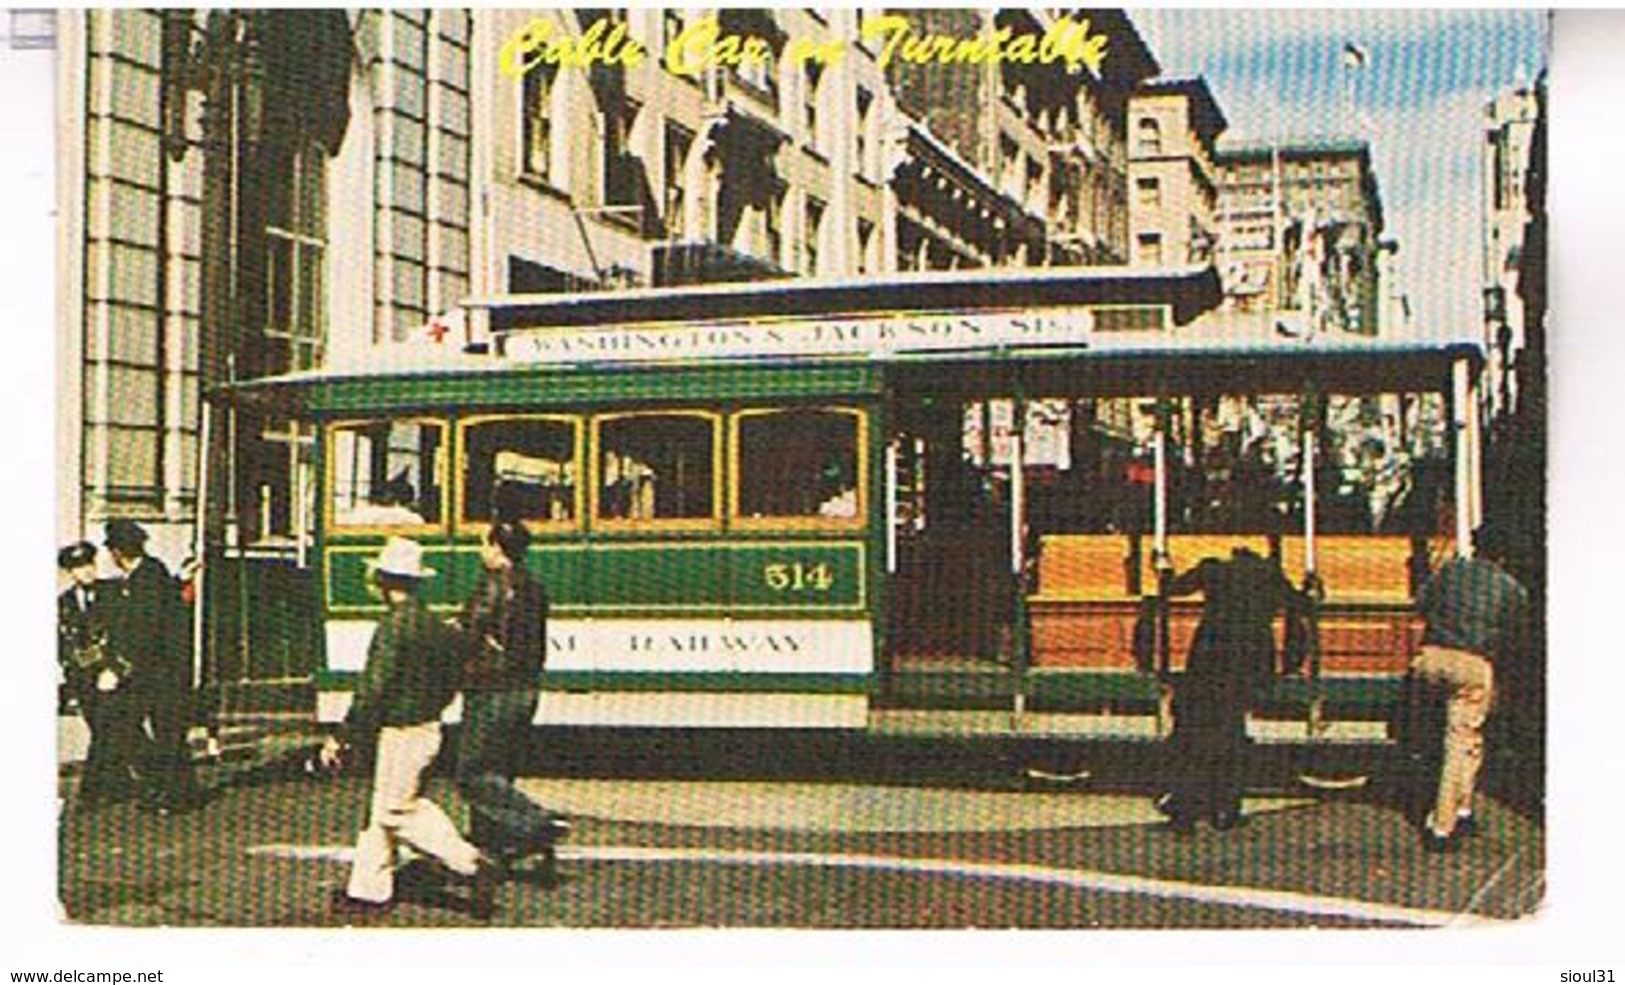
(1475, 448)
(1159, 494)
(1159, 552)
(1018, 488)
(1311, 449)
(199, 540)
(1461, 396)
(891, 507)
(1309, 453)
(301, 511)
(1018, 515)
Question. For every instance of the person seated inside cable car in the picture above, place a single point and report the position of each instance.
(391, 505)
(839, 496)
(530, 487)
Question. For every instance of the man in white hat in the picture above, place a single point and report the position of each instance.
(413, 672)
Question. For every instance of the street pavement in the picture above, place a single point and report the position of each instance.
(653, 852)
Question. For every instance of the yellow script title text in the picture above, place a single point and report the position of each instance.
(701, 46)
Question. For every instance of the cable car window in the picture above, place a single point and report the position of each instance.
(799, 464)
(386, 473)
(657, 467)
(521, 468)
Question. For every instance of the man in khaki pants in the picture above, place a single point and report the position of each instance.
(413, 671)
(1476, 615)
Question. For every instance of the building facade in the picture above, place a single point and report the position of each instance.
(1016, 164)
(1174, 124)
(676, 170)
(1299, 230)
(245, 194)
(1515, 390)
(1509, 131)
(241, 194)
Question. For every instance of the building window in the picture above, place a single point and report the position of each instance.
(800, 464)
(620, 167)
(679, 141)
(1148, 250)
(274, 451)
(760, 74)
(537, 122)
(295, 257)
(1149, 191)
(865, 104)
(386, 473)
(866, 238)
(279, 478)
(814, 229)
(758, 65)
(1009, 167)
(809, 98)
(1035, 184)
(520, 468)
(278, 263)
(1148, 136)
(657, 467)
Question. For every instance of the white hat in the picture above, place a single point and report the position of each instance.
(402, 558)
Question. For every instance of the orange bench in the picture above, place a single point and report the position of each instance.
(1361, 569)
(1083, 567)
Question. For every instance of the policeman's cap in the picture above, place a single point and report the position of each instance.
(76, 555)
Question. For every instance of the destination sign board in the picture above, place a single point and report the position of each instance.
(878, 336)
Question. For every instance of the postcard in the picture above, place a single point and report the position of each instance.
(811, 468)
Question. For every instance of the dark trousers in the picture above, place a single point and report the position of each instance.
(503, 820)
(118, 748)
(170, 779)
(1209, 747)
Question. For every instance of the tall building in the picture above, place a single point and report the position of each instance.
(1023, 164)
(1174, 123)
(242, 193)
(1393, 304)
(1517, 177)
(672, 170)
(1299, 230)
(1509, 132)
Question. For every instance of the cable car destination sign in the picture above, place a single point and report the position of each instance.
(877, 336)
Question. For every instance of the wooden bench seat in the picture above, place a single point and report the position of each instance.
(1080, 567)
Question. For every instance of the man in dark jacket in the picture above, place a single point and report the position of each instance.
(149, 634)
(413, 672)
(1232, 656)
(505, 622)
(95, 679)
(1477, 616)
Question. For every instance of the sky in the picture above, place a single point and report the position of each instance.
(1419, 100)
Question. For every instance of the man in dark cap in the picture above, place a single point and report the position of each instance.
(149, 633)
(95, 680)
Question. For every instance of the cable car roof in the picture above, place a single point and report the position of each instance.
(1197, 349)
